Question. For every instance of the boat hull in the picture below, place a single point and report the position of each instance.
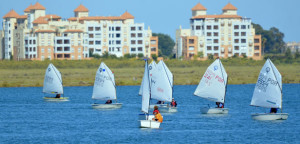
(52, 99)
(107, 106)
(149, 124)
(207, 110)
(168, 109)
(269, 116)
(159, 105)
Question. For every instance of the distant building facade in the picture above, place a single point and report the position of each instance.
(38, 36)
(223, 35)
(293, 46)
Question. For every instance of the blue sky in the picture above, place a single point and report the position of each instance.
(165, 16)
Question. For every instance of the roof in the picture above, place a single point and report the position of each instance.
(229, 6)
(37, 6)
(216, 16)
(97, 18)
(28, 8)
(52, 16)
(73, 31)
(198, 7)
(44, 31)
(22, 17)
(11, 14)
(127, 15)
(81, 8)
(40, 20)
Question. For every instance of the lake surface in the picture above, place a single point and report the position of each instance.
(26, 118)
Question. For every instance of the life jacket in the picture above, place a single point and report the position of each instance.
(173, 103)
(159, 117)
(155, 111)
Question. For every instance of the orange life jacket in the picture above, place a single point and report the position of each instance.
(159, 117)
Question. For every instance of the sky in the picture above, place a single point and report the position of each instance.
(165, 16)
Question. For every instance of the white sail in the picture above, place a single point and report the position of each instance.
(161, 88)
(53, 81)
(146, 90)
(169, 73)
(104, 86)
(151, 66)
(267, 92)
(213, 83)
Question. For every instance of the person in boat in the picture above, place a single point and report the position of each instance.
(219, 105)
(108, 102)
(158, 116)
(173, 103)
(156, 109)
(57, 96)
(273, 110)
(160, 102)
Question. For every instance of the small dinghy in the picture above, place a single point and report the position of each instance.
(145, 119)
(268, 93)
(105, 88)
(213, 87)
(53, 85)
(168, 109)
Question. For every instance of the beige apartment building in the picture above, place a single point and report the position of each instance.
(39, 36)
(293, 46)
(223, 35)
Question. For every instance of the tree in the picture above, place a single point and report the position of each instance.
(297, 54)
(140, 55)
(272, 39)
(154, 56)
(165, 44)
(288, 54)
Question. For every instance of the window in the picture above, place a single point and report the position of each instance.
(98, 42)
(153, 42)
(133, 42)
(208, 34)
(236, 48)
(198, 27)
(79, 49)
(256, 47)
(66, 41)
(236, 33)
(118, 42)
(79, 42)
(98, 35)
(140, 41)
(91, 35)
(191, 41)
(208, 47)
(243, 34)
(256, 40)
(216, 27)
(118, 35)
(208, 27)
(153, 49)
(133, 35)
(236, 26)
(140, 48)
(43, 50)
(49, 50)
(243, 40)
(118, 28)
(216, 34)
(118, 49)
(132, 49)
(191, 48)
(140, 35)
(216, 41)
(236, 40)
(216, 48)
(97, 28)
(132, 28)
(243, 26)
(140, 28)
(91, 29)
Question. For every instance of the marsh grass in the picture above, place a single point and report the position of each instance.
(130, 72)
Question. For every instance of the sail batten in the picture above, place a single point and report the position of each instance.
(53, 81)
(268, 92)
(212, 86)
(104, 85)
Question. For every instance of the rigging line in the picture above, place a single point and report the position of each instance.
(224, 81)
(275, 76)
(146, 63)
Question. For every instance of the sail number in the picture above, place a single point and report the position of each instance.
(264, 81)
(48, 79)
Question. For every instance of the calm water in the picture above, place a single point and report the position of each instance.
(26, 118)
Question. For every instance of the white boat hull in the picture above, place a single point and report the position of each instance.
(159, 105)
(149, 124)
(52, 99)
(270, 116)
(168, 109)
(107, 106)
(207, 110)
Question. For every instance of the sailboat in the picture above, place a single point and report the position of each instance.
(165, 71)
(146, 94)
(53, 84)
(268, 93)
(105, 88)
(213, 87)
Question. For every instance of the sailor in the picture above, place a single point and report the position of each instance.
(155, 109)
(57, 96)
(173, 103)
(219, 105)
(273, 110)
(108, 102)
(158, 116)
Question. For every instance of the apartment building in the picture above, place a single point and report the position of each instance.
(223, 35)
(293, 46)
(36, 35)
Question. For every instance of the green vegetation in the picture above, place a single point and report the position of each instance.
(165, 44)
(272, 39)
(129, 71)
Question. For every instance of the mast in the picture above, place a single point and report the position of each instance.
(146, 62)
(277, 83)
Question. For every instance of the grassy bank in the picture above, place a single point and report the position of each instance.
(130, 71)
